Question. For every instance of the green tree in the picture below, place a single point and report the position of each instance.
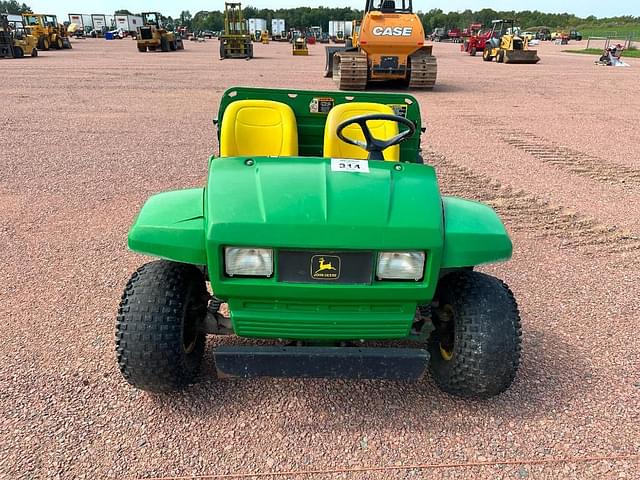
(185, 18)
(14, 7)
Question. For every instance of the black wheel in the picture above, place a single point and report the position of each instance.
(500, 57)
(18, 52)
(172, 46)
(473, 51)
(164, 44)
(142, 49)
(59, 43)
(34, 52)
(486, 55)
(159, 343)
(475, 347)
(222, 50)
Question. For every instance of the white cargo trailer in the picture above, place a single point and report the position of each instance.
(339, 30)
(87, 21)
(99, 23)
(128, 23)
(278, 31)
(110, 20)
(78, 19)
(348, 28)
(257, 24)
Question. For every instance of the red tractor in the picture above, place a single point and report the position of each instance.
(474, 39)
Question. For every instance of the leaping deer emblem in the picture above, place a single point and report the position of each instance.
(323, 266)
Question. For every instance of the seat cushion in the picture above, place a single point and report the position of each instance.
(258, 127)
(381, 129)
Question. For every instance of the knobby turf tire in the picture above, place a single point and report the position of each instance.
(161, 302)
(486, 332)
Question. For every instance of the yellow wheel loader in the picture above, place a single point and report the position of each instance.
(389, 45)
(506, 46)
(235, 41)
(47, 31)
(153, 35)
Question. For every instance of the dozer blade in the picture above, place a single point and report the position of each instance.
(521, 56)
(328, 69)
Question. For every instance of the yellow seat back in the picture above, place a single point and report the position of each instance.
(381, 129)
(258, 127)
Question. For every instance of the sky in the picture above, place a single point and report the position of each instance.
(582, 8)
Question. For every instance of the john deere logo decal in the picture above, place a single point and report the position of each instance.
(325, 267)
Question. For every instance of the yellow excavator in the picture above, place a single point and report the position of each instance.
(388, 45)
(506, 46)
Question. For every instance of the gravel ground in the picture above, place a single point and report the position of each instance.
(89, 133)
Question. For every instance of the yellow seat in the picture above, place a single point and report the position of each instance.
(381, 129)
(258, 127)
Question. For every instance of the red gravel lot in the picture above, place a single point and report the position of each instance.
(89, 134)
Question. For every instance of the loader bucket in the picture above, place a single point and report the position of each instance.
(521, 56)
(328, 69)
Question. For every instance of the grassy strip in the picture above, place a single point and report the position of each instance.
(598, 51)
(619, 31)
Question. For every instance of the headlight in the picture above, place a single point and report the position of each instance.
(400, 265)
(255, 262)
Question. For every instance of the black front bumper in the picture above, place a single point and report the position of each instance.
(321, 362)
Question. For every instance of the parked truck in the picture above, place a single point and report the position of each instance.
(278, 31)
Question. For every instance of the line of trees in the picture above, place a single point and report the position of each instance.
(14, 8)
(301, 17)
(526, 18)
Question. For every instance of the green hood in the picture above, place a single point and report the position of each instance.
(302, 203)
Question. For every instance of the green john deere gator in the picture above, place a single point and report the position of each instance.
(322, 230)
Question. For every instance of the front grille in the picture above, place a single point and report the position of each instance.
(340, 321)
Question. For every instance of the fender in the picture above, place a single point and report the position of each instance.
(473, 234)
(171, 225)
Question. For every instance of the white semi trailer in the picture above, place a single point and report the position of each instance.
(278, 30)
(256, 24)
(99, 24)
(128, 23)
(339, 30)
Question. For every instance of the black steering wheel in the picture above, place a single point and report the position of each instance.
(375, 146)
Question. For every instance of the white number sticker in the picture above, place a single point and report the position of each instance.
(349, 165)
